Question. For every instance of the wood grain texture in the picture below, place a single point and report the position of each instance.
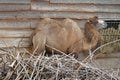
(15, 1)
(10, 7)
(46, 6)
(15, 33)
(87, 1)
(18, 24)
(54, 14)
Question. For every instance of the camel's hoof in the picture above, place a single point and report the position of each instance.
(75, 56)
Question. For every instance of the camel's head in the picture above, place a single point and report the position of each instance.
(99, 24)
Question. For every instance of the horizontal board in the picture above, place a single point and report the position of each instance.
(26, 24)
(15, 1)
(10, 42)
(18, 24)
(77, 15)
(15, 33)
(45, 6)
(87, 1)
(9, 7)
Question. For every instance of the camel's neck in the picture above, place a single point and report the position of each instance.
(91, 36)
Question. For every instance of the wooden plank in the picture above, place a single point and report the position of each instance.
(18, 24)
(15, 33)
(42, 0)
(45, 6)
(77, 15)
(87, 1)
(9, 7)
(10, 42)
(26, 24)
(15, 1)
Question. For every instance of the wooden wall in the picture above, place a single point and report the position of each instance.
(18, 18)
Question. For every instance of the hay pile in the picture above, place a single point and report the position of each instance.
(17, 65)
(110, 34)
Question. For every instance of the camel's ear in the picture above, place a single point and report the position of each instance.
(93, 19)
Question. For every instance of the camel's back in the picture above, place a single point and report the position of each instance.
(48, 24)
(75, 33)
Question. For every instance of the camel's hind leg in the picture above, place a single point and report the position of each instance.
(39, 41)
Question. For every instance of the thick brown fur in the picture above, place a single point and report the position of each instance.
(65, 36)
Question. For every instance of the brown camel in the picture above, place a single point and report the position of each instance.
(66, 35)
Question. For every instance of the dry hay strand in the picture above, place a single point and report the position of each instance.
(15, 65)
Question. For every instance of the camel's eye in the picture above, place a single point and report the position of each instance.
(95, 23)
